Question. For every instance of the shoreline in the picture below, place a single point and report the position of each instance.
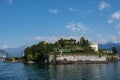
(80, 62)
(70, 62)
(71, 59)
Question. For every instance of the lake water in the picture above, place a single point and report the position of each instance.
(20, 71)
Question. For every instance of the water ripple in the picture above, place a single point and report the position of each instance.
(20, 71)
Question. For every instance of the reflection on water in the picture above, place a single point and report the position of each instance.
(37, 71)
(19, 71)
(76, 72)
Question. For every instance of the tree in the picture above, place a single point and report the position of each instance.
(101, 52)
(61, 42)
(27, 51)
(82, 41)
(114, 50)
(30, 57)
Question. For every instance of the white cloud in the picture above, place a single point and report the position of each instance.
(52, 38)
(37, 38)
(114, 16)
(103, 5)
(53, 11)
(47, 39)
(113, 39)
(81, 13)
(10, 1)
(110, 38)
(73, 10)
(101, 39)
(5, 46)
(76, 27)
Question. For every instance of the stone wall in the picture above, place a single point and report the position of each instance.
(78, 58)
(81, 58)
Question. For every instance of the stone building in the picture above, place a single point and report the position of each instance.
(94, 45)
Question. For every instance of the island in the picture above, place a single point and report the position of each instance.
(67, 51)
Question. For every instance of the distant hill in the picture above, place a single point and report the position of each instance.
(16, 52)
(110, 45)
(3, 53)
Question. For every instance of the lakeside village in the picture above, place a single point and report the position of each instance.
(66, 51)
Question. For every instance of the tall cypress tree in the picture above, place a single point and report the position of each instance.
(114, 50)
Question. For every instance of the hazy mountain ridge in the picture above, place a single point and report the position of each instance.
(4, 53)
(16, 52)
(110, 45)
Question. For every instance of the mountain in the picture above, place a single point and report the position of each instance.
(118, 49)
(16, 52)
(110, 45)
(3, 53)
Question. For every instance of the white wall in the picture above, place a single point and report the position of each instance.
(94, 46)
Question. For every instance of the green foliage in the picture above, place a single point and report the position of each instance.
(8, 59)
(61, 43)
(40, 52)
(84, 44)
(101, 52)
(11, 59)
(30, 57)
(114, 50)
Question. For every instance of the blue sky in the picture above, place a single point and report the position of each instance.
(25, 22)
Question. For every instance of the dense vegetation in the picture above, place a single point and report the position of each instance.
(38, 52)
(41, 51)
